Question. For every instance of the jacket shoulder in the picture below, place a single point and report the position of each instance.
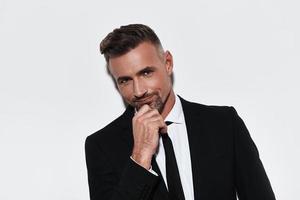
(207, 110)
(111, 130)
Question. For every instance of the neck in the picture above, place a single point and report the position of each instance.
(170, 101)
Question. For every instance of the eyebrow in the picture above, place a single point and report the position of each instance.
(146, 69)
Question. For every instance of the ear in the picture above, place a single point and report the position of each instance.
(169, 62)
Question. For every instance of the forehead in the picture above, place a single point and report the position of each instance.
(145, 54)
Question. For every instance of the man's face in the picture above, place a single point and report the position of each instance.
(143, 76)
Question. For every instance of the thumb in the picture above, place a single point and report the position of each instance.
(164, 129)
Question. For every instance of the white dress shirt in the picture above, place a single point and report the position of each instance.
(178, 134)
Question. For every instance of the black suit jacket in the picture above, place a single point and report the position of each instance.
(225, 161)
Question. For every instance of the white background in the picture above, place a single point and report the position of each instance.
(54, 90)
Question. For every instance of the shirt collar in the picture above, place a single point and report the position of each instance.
(176, 113)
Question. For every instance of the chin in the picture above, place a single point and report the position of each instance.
(158, 105)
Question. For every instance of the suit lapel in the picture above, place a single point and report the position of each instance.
(162, 192)
(193, 120)
(126, 127)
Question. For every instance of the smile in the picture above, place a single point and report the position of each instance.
(145, 100)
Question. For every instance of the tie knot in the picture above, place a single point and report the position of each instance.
(168, 122)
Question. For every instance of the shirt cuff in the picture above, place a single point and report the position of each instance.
(149, 170)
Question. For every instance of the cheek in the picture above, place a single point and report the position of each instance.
(125, 92)
(161, 83)
(155, 83)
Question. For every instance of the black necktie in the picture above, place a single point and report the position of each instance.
(173, 178)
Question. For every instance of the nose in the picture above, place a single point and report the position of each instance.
(139, 89)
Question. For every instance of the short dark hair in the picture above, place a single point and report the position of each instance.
(122, 40)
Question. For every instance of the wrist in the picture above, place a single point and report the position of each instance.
(143, 160)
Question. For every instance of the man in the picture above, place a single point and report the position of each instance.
(205, 153)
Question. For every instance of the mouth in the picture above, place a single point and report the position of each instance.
(140, 102)
(143, 100)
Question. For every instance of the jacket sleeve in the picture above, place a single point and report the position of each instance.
(134, 183)
(251, 179)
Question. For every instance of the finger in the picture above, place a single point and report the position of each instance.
(153, 113)
(143, 110)
(163, 129)
(159, 123)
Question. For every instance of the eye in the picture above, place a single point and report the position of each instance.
(147, 73)
(123, 81)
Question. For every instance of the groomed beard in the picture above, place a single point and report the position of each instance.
(156, 103)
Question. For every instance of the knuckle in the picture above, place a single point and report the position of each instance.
(146, 107)
(155, 111)
(134, 118)
(144, 122)
(139, 120)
